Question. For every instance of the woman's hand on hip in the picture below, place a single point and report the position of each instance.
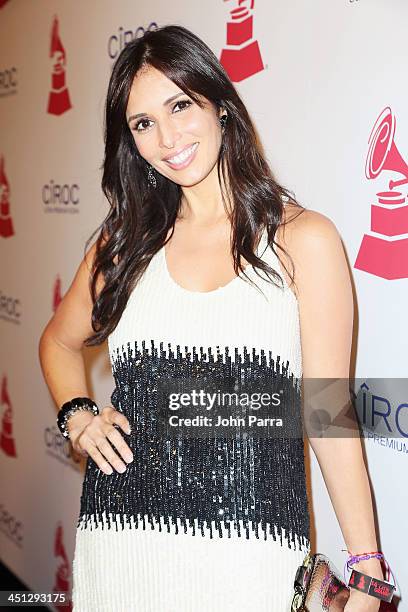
(93, 434)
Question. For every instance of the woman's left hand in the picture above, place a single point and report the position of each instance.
(361, 602)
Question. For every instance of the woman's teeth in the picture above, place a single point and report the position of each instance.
(181, 157)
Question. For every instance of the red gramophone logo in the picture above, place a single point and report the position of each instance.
(6, 223)
(384, 250)
(62, 577)
(7, 443)
(241, 58)
(58, 99)
(57, 297)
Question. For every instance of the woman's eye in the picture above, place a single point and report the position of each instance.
(142, 123)
(186, 104)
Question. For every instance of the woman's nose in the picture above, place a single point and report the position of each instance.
(169, 135)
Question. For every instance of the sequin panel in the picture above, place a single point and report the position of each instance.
(255, 486)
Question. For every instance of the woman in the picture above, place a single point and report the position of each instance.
(172, 520)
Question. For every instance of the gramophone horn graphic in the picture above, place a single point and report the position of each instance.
(58, 100)
(242, 57)
(57, 298)
(384, 251)
(63, 571)
(7, 443)
(6, 222)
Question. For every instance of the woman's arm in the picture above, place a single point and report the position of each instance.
(325, 301)
(60, 346)
(62, 363)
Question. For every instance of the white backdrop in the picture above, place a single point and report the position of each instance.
(317, 76)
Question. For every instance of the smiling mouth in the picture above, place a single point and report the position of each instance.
(182, 159)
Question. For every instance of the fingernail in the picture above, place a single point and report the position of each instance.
(128, 458)
(122, 469)
(109, 471)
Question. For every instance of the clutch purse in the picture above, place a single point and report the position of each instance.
(318, 586)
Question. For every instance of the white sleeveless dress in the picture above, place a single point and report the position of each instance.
(210, 523)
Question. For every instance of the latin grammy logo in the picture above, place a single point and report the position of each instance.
(242, 57)
(57, 298)
(6, 222)
(384, 250)
(58, 100)
(7, 443)
(63, 571)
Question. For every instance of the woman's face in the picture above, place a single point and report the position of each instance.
(173, 134)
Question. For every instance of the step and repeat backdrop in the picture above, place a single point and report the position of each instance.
(325, 85)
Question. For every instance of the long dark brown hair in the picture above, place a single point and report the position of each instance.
(141, 216)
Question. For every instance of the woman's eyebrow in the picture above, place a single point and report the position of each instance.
(168, 101)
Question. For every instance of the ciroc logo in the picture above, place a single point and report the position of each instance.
(119, 40)
(380, 414)
(11, 526)
(60, 448)
(8, 82)
(10, 308)
(59, 197)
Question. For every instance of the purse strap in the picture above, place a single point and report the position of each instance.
(302, 579)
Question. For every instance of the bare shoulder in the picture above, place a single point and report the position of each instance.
(302, 224)
(71, 323)
(309, 238)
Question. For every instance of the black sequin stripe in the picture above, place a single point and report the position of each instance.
(249, 481)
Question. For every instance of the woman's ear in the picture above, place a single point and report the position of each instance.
(221, 112)
(223, 117)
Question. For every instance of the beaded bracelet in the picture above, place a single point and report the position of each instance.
(72, 406)
(367, 584)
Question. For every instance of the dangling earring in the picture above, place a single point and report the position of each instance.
(223, 120)
(151, 178)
